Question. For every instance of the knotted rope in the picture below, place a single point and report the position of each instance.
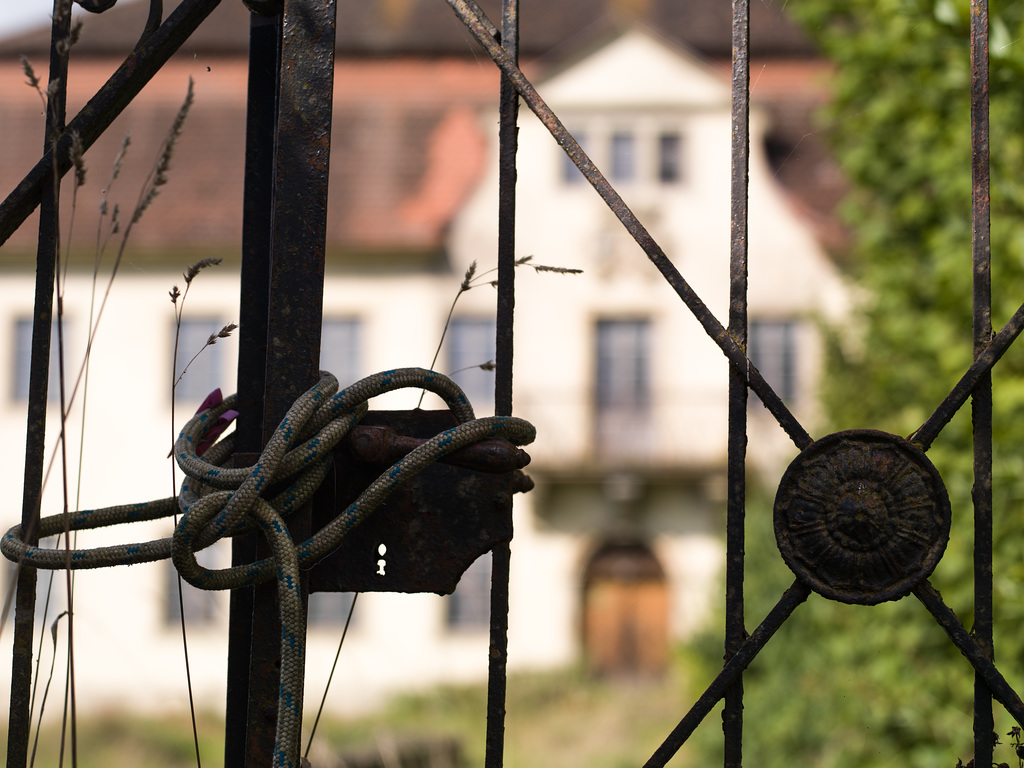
(217, 502)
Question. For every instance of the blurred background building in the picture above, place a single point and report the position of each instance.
(617, 551)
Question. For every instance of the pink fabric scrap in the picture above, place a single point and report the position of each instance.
(223, 421)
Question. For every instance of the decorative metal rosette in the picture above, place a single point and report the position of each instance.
(862, 516)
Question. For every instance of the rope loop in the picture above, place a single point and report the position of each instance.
(218, 502)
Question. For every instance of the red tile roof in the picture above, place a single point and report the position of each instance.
(406, 142)
(427, 28)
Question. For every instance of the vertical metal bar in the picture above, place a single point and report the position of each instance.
(508, 140)
(715, 330)
(295, 309)
(735, 631)
(981, 400)
(261, 124)
(301, 166)
(39, 368)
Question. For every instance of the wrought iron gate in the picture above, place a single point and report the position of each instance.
(861, 517)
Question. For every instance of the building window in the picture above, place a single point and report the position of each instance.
(201, 605)
(670, 158)
(623, 387)
(470, 345)
(23, 361)
(623, 364)
(570, 173)
(203, 365)
(623, 159)
(340, 350)
(773, 353)
(469, 606)
(330, 609)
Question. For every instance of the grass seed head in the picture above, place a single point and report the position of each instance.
(468, 278)
(198, 267)
(163, 164)
(30, 73)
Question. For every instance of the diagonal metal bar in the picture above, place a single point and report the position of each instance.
(103, 108)
(981, 399)
(925, 435)
(735, 630)
(969, 647)
(475, 23)
(491, 29)
(730, 673)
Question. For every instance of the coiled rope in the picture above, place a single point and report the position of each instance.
(217, 502)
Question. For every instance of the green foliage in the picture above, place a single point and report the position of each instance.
(117, 740)
(900, 121)
(850, 686)
(563, 718)
(554, 719)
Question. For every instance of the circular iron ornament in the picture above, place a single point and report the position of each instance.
(862, 516)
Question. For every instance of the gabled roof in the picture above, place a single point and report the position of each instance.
(633, 67)
(406, 150)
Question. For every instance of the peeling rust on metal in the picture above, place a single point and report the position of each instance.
(862, 517)
(382, 445)
(431, 529)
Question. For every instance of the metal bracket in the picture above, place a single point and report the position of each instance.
(424, 537)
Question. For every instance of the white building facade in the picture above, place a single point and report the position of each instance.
(617, 550)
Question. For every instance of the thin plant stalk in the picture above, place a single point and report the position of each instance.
(472, 280)
(330, 677)
(39, 661)
(46, 693)
(100, 247)
(179, 308)
(156, 178)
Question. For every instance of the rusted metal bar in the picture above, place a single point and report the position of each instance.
(735, 630)
(508, 141)
(301, 164)
(433, 527)
(257, 239)
(19, 721)
(492, 30)
(497, 667)
(295, 309)
(696, 305)
(730, 673)
(103, 108)
(382, 445)
(925, 435)
(973, 652)
(981, 399)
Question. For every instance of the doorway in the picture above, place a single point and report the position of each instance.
(625, 611)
